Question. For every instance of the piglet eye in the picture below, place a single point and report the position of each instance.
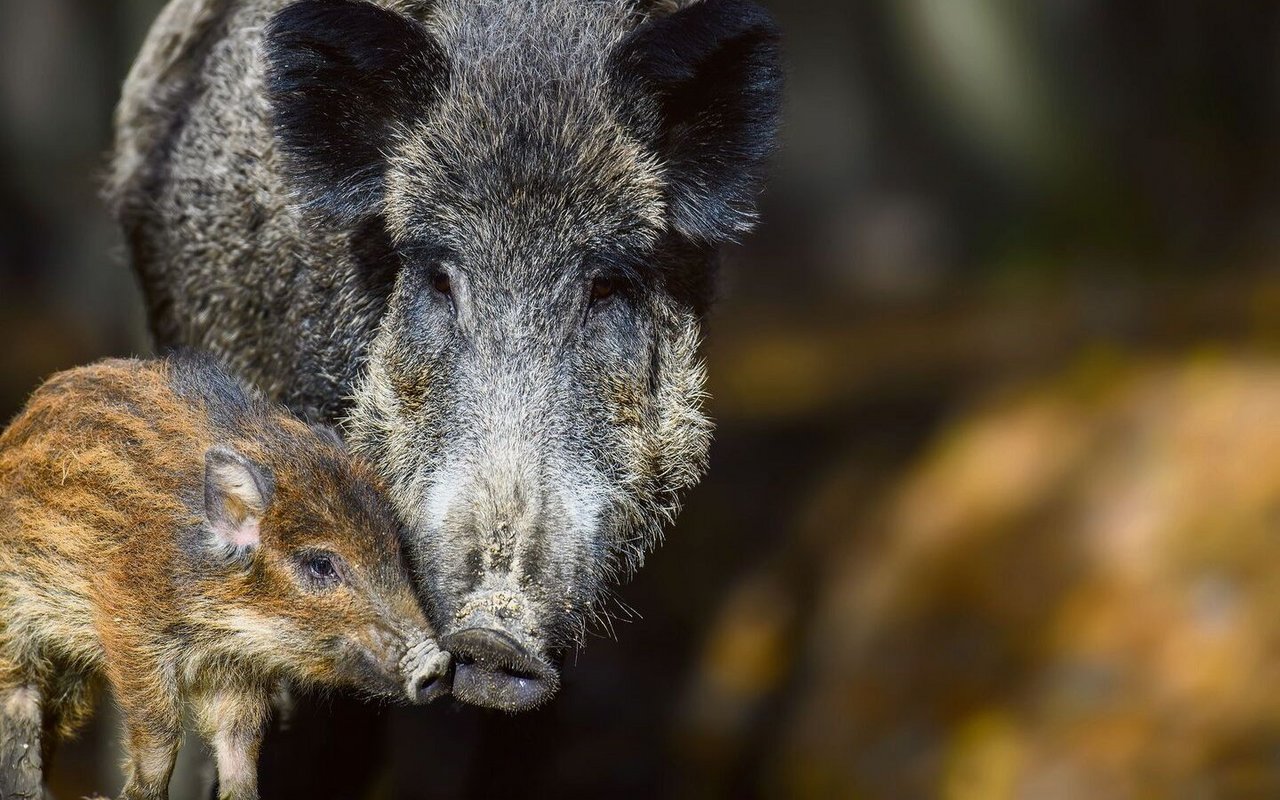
(602, 288)
(322, 568)
(441, 283)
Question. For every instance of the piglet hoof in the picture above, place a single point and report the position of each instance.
(425, 668)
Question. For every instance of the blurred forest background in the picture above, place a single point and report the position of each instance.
(994, 505)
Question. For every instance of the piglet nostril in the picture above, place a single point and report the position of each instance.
(426, 688)
(426, 671)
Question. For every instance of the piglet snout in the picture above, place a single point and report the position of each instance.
(425, 668)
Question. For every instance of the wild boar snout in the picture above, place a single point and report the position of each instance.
(511, 541)
(496, 671)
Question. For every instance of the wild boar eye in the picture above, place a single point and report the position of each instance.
(602, 288)
(441, 283)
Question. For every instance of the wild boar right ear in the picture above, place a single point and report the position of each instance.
(714, 69)
(236, 495)
(340, 74)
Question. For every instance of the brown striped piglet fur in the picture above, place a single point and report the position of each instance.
(196, 546)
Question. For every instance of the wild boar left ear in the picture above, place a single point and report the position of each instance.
(715, 71)
(237, 493)
(340, 75)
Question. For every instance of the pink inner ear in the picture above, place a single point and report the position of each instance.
(243, 534)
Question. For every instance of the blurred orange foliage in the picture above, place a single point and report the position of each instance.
(1074, 593)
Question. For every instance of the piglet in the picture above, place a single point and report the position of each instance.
(165, 529)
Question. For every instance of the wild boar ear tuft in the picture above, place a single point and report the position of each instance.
(340, 75)
(237, 493)
(715, 69)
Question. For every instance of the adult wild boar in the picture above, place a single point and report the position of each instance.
(478, 234)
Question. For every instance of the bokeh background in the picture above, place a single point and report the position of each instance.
(994, 506)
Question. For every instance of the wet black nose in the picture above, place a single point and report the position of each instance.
(493, 670)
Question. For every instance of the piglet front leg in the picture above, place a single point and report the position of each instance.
(232, 720)
(153, 738)
(148, 700)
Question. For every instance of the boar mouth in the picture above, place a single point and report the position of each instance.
(494, 671)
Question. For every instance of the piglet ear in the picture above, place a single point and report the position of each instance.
(340, 74)
(715, 71)
(236, 495)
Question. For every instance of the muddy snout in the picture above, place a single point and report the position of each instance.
(425, 669)
(492, 669)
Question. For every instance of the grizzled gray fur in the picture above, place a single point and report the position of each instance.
(479, 234)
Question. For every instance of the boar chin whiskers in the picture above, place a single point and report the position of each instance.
(602, 620)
